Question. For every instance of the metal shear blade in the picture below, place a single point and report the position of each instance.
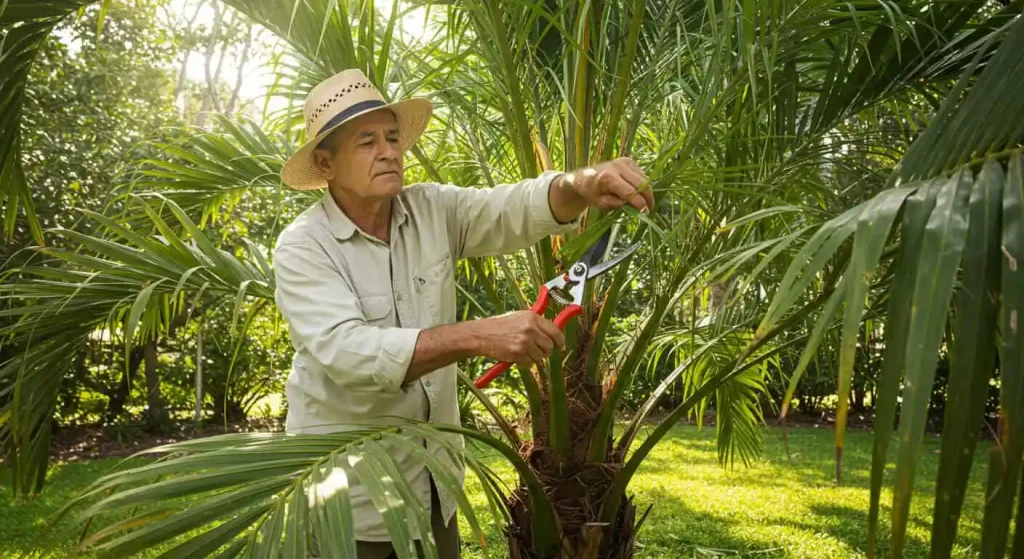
(598, 269)
(568, 288)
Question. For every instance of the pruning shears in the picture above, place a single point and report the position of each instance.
(568, 290)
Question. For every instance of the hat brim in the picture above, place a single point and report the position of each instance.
(412, 116)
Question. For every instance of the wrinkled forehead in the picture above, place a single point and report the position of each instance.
(380, 120)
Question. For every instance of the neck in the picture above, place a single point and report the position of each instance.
(372, 215)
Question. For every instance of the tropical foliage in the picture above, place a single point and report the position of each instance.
(784, 144)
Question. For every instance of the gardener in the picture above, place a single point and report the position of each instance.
(365, 279)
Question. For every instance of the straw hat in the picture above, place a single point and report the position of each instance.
(338, 100)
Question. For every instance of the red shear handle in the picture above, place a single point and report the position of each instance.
(568, 313)
(541, 304)
(492, 374)
(538, 307)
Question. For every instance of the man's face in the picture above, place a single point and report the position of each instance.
(364, 157)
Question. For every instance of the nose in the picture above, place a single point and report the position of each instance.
(389, 157)
(390, 150)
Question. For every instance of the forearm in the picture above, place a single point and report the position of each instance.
(566, 203)
(440, 346)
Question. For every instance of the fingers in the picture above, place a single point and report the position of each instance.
(625, 192)
(546, 336)
(545, 343)
(648, 195)
(644, 201)
(620, 181)
(536, 355)
(532, 339)
(643, 186)
(631, 171)
(610, 184)
(633, 176)
(553, 334)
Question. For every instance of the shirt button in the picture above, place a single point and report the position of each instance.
(399, 296)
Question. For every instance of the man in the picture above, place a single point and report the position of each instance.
(365, 280)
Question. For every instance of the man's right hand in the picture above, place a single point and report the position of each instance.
(520, 337)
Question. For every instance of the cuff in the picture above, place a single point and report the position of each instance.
(397, 346)
(540, 206)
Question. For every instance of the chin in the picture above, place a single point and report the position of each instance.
(389, 184)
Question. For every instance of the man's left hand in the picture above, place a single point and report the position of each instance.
(610, 184)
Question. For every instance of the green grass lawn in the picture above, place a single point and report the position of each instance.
(775, 508)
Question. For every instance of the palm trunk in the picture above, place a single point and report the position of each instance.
(577, 486)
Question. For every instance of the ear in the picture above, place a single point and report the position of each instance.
(322, 161)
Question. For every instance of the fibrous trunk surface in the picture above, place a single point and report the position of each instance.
(577, 488)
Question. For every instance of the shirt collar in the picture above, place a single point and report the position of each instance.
(343, 228)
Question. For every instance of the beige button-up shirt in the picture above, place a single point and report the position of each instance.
(355, 307)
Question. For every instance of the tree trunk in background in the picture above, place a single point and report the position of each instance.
(179, 87)
(156, 412)
(198, 416)
(226, 34)
(119, 397)
(241, 71)
(858, 392)
(211, 48)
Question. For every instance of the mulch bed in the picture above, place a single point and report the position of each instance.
(97, 441)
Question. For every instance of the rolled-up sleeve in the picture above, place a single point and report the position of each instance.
(326, 319)
(503, 219)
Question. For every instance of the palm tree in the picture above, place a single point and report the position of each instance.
(741, 113)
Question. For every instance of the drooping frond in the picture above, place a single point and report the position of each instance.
(276, 494)
(114, 281)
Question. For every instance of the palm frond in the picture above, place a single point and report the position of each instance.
(24, 26)
(266, 494)
(126, 283)
(208, 173)
(738, 416)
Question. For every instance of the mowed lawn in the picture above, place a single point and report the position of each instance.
(778, 507)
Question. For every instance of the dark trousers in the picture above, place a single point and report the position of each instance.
(446, 537)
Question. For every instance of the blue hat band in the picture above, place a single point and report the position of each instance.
(350, 111)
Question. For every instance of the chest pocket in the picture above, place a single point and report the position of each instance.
(435, 284)
(376, 309)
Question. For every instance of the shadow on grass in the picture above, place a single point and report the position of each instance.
(675, 529)
(851, 526)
